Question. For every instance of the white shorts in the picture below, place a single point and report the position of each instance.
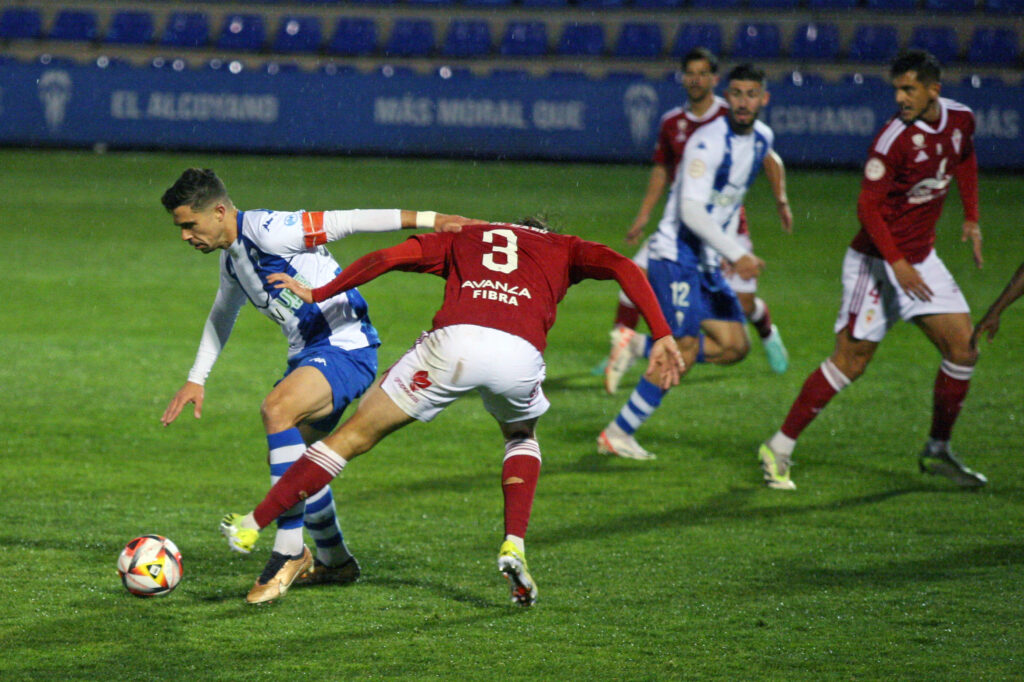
(873, 300)
(448, 363)
(737, 283)
(643, 254)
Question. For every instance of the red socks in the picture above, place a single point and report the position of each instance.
(519, 475)
(951, 386)
(305, 477)
(819, 388)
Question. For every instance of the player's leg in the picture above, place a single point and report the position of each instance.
(724, 342)
(685, 303)
(950, 333)
(626, 344)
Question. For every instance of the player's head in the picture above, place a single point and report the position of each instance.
(200, 206)
(916, 78)
(538, 221)
(700, 73)
(746, 95)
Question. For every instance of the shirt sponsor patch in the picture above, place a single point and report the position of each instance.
(696, 168)
(875, 169)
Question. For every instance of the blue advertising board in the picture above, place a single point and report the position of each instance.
(495, 117)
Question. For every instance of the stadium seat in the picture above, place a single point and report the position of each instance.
(993, 46)
(892, 5)
(658, 4)
(130, 28)
(431, 3)
(298, 34)
(392, 71)
(773, 4)
(566, 75)
(1005, 6)
(410, 38)
(832, 4)
(957, 6)
(467, 38)
(74, 25)
(487, 3)
(105, 62)
(581, 40)
(274, 68)
(242, 32)
(525, 39)
(803, 79)
(815, 41)
(225, 65)
(55, 61)
(447, 73)
(332, 69)
(186, 29)
(600, 4)
(160, 63)
(20, 22)
(874, 43)
(865, 80)
(976, 81)
(544, 3)
(511, 74)
(756, 41)
(716, 4)
(690, 36)
(639, 41)
(941, 41)
(354, 36)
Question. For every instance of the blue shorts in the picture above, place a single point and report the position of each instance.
(688, 296)
(349, 372)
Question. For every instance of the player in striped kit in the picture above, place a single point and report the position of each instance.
(332, 346)
(503, 283)
(696, 233)
(891, 270)
(700, 77)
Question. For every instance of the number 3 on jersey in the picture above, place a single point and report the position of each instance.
(510, 250)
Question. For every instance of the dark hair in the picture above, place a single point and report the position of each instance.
(746, 72)
(921, 62)
(539, 221)
(697, 54)
(196, 188)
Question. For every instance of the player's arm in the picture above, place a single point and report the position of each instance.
(320, 227)
(989, 324)
(655, 187)
(408, 255)
(966, 173)
(216, 331)
(775, 170)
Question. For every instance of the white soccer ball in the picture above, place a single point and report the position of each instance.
(150, 566)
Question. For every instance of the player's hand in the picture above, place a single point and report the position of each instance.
(452, 223)
(748, 266)
(189, 393)
(785, 215)
(910, 280)
(636, 230)
(667, 362)
(988, 326)
(972, 232)
(283, 281)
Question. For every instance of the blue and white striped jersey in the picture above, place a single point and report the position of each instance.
(288, 242)
(717, 168)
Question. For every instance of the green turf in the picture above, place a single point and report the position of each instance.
(681, 568)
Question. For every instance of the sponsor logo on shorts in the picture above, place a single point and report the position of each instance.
(420, 380)
(319, 361)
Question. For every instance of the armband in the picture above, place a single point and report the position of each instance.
(425, 219)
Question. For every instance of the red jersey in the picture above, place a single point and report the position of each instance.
(906, 180)
(503, 276)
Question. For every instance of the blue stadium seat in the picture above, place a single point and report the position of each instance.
(566, 75)
(55, 61)
(874, 43)
(543, 3)
(525, 39)
(105, 62)
(160, 63)
(815, 41)
(957, 6)
(865, 80)
(130, 28)
(803, 79)
(486, 3)
(242, 32)
(757, 41)
(186, 29)
(354, 36)
(431, 3)
(511, 74)
(332, 69)
(993, 46)
(298, 34)
(716, 4)
(392, 71)
(74, 25)
(410, 38)
(1005, 6)
(773, 4)
(892, 5)
(941, 41)
(467, 38)
(624, 76)
(225, 65)
(20, 22)
(581, 40)
(454, 73)
(658, 4)
(690, 36)
(832, 4)
(976, 81)
(639, 41)
(600, 4)
(274, 68)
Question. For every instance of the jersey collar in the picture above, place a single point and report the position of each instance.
(940, 125)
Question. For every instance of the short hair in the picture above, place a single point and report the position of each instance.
(697, 54)
(746, 72)
(197, 188)
(921, 62)
(538, 221)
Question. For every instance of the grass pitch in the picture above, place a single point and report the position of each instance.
(681, 568)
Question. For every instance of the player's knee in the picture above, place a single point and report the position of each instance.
(963, 355)
(277, 415)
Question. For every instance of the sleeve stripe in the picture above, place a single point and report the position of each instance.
(886, 139)
(313, 227)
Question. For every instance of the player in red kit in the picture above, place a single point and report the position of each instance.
(677, 126)
(503, 283)
(891, 270)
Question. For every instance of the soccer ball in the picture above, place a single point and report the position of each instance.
(150, 566)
